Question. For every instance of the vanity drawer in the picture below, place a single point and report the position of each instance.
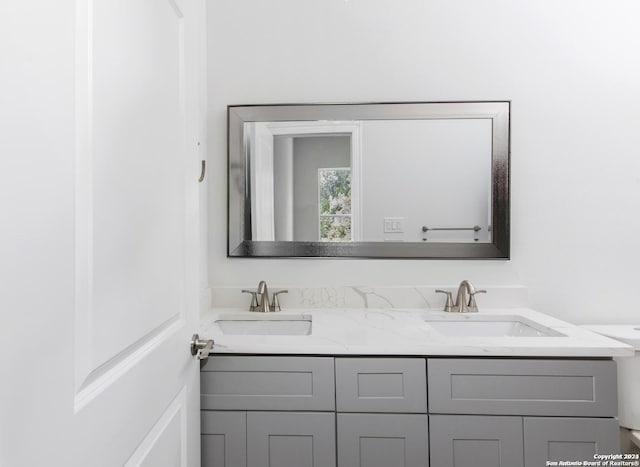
(574, 388)
(381, 385)
(267, 383)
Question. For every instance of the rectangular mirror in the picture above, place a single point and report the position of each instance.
(396, 180)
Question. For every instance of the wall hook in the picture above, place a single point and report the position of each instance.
(202, 171)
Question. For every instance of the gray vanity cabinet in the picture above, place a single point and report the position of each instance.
(383, 440)
(526, 411)
(224, 439)
(267, 383)
(571, 388)
(476, 441)
(508, 441)
(397, 385)
(382, 407)
(288, 439)
(264, 411)
(297, 411)
(556, 439)
(268, 439)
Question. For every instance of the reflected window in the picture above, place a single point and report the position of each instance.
(334, 204)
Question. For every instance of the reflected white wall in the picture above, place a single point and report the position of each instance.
(429, 172)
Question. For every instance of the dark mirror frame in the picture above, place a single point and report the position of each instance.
(239, 243)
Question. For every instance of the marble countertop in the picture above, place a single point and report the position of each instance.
(370, 331)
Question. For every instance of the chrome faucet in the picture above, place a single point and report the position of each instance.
(260, 299)
(263, 293)
(465, 298)
(254, 300)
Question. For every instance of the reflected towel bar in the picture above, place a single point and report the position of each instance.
(475, 228)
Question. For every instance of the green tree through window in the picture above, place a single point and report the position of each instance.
(334, 202)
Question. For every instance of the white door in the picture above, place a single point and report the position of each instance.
(100, 229)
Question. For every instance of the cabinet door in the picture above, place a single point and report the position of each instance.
(555, 388)
(267, 383)
(475, 441)
(224, 439)
(383, 440)
(291, 439)
(568, 439)
(395, 385)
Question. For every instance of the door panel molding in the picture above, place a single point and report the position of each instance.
(175, 412)
(96, 367)
(105, 375)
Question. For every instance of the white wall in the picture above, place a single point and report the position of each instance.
(37, 185)
(429, 172)
(571, 71)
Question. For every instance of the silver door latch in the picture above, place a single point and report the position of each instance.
(201, 347)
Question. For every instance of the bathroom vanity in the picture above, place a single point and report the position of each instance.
(405, 411)
(384, 388)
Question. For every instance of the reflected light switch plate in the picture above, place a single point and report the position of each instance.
(393, 224)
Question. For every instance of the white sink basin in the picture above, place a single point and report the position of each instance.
(490, 326)
(265, 324)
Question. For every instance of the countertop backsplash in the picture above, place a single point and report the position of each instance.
(415, 297)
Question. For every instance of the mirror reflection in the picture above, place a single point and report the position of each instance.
(373, 180)
(382, 180)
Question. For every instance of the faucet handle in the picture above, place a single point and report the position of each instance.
(473, 306)
(254, 300)
(448, 305)
(275, 303)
